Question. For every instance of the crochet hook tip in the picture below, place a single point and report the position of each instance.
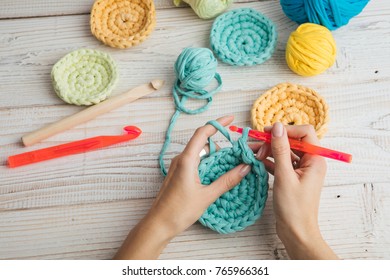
(233, 128)
(132, 130)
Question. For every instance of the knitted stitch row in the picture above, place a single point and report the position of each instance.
(244, 204)
(122, 23)
(195, 68)
(290, 104)
(84, 77)
(243, 37)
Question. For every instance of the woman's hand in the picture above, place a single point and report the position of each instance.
(182, 199)
(296, 192)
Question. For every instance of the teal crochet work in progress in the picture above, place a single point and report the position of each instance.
(243, 37)
(195, 68)
(244, 204)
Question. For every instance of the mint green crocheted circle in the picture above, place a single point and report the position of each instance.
(243, 37)
(84, 77)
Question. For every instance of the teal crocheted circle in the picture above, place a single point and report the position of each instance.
(243, 37)
(244, 204)
(84, 77)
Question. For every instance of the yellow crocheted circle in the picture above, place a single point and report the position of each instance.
(290, 104)
(122, 23)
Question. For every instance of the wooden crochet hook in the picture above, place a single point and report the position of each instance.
(91, 112)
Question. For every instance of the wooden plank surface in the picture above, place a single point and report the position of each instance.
(42, 8)
(82, 207)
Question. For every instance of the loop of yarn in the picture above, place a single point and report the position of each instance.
(290, 104)
(330, 13)
(243, 37)
(195, 68)
(122, 23)
(206, 9)
(310, 50)
(84, 77)
(244, 204)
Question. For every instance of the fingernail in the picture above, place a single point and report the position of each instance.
(245, 170)
(277, 130)
(260, 152)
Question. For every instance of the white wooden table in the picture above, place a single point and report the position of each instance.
(82, 207)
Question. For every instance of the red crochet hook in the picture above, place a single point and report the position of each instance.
(71, 148)
(298, 145)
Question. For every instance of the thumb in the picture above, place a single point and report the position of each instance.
(281, 150)
(228, 180)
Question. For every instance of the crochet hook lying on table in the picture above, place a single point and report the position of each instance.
(298, 145)
(71, 148)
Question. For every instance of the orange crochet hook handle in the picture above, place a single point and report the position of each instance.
(71, 148)
(298, 145)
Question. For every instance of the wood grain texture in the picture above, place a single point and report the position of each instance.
(95, 231)
(41, 8)
(81, 207)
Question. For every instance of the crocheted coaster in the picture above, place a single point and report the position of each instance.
(244, 204)
(243, 37)
(84, 77)
(122, 23)
(290, 104)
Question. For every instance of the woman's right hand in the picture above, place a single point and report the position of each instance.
(296, 191)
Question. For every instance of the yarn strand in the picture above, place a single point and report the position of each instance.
(195, 68)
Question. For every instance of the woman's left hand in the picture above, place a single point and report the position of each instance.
(182, 198)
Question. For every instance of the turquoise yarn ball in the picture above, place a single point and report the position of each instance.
(195, 68)
(330, 13)
(243, 37)
(244, 204)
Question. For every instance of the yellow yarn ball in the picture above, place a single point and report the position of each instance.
(206, 9)
(311, 49)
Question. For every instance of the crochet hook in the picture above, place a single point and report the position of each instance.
(91, 112)
(81, 146)
(298, 145)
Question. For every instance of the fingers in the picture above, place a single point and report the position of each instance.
(306, 133)
(269, 166)
(206, 149)
(317, 165)
(281, 150)
(201, 135)
(227, 181)
(255, 146)
(264, 151)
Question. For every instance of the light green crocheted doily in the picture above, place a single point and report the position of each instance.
(84, 77)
